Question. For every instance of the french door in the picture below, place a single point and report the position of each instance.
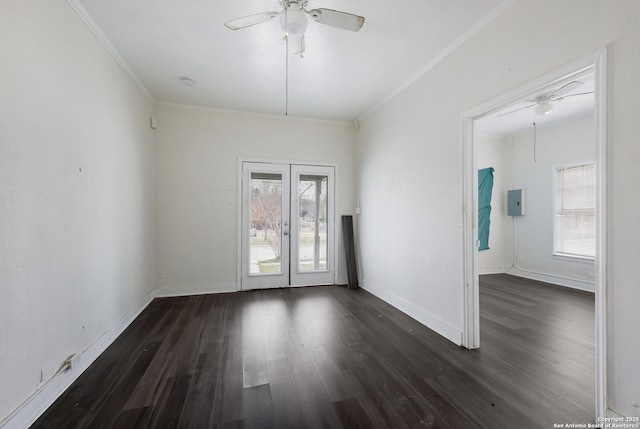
(287, 225)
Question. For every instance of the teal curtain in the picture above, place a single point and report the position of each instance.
(485, 188)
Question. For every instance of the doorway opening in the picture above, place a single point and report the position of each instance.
(287, 225)
(594, 64)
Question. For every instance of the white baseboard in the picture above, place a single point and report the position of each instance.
(431, 321)
(29, 411)
(614, 417)
(556, 280)
(614, 414)
(188, 290)
(491, 270)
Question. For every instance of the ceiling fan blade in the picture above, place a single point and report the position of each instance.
(335, 18)
(573, 95)
(248, 21)
(517, 110)
(566, 88)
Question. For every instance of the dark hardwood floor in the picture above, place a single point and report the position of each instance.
(333, 357)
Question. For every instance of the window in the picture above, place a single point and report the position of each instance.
(574, 224)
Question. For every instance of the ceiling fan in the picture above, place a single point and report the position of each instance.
(543, 103)
(293, 19)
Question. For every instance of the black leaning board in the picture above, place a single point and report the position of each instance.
(350, 251)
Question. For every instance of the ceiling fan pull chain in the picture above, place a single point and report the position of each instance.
(286, 59)
(535, 139)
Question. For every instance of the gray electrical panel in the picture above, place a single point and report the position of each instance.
(515, 202)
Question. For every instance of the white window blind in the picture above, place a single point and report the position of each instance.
(574, 226)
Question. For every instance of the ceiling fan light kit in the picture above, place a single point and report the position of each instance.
(293, 21)
(543, 108)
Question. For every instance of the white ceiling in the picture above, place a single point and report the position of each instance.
(342, 76)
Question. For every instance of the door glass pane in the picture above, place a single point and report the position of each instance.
(266, 214)
(312, 223)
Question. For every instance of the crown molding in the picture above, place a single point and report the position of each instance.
(497, 11)
(102, 38)
(219, 110)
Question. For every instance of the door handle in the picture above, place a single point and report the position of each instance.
(285, 232)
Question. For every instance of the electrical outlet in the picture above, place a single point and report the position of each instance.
(75, 359)
(68, 363)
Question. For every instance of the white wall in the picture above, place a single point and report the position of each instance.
(411, 166)
(497, 152)
(571, 142)
(77, 198)
(196, 177)
(76, 212)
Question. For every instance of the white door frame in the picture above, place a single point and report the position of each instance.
(596, 62)
(241, 161)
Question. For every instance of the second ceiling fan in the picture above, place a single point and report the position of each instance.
(543, 103)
